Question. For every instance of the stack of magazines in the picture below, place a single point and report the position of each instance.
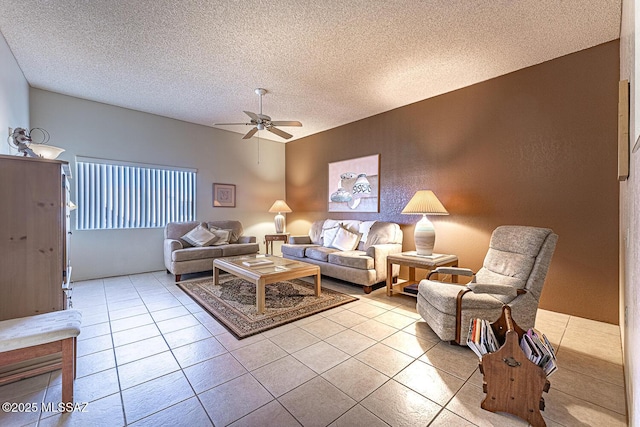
(534, 345)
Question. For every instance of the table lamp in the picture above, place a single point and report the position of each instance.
(424, 202)
(279, 206)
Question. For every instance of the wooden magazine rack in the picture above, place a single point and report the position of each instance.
(512, 382)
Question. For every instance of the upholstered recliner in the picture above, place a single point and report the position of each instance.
(513, 273)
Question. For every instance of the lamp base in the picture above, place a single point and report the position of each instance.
(279, 222)
(425, 237)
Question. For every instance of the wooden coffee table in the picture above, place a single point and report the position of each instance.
(275, 269)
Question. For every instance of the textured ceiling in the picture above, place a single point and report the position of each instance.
(324, 63)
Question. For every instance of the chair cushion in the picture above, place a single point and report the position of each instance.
(39, 329)
(353, 259)
(442, 296)
(319, 253)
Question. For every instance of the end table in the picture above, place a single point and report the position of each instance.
(270, 238)
(413, 261)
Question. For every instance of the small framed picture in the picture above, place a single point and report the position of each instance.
(224, 195)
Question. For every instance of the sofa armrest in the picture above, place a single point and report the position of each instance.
(299, 240)
(379, 254)
(170, 245)
(247, 239)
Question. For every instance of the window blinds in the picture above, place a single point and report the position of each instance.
(114, 194)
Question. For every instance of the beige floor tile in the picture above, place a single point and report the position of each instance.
(140, 349)
(103, 412)
(182, 322)
(124, 313)
(234, 399)
(213, 372)
(409, 344)
(188, 413)
(588, 365)
(447, 418)
(347, 318)
(169, 313)
(581, 324)
(294, 339)
(350, 342)
(398, 405)
(258, 354)
(358, 416)
(28, 415)
(408, 309)
(91, 318)
(316, 402)
(430, 382)
(466, 404)
(124, 304)
(560, 318)
(272, 414)
(375, 330)
(590, 389)
(216, 328)
(99, 329)
(280, 329)
(131, 322)
(323, 328)
(367, 310)
(230, 342)
(87, 389)
(187, 336)
(571, 411)
(134, 373)
(385, 359)
(94, 345)
(155, 395)
(456, 360)
(198, 351)
(95, 362)
(596, 344)
(136, 334)
(12, 391)
(283, 375)
(355, 378)
(163, 304)
(395, 320)
(422, 330)
(321, 356)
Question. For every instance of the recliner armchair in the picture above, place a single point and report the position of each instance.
(513, 274)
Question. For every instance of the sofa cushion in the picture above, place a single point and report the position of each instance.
(315, 232)
(329, 235)
(189, 254)
(295, 250)
(200, 236)
(234, 226)
(175, 231)
(353, 259)
(345, 240)
(382, 233)
(239, 249)
(223, 237)
(319, 253)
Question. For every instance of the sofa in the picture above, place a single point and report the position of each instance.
(189, 247)
(350, 250)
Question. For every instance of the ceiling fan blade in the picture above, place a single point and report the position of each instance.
(287, 123)
(253, 116)
(279, 132)
(264, 117)
(233, 124)
(250, 133)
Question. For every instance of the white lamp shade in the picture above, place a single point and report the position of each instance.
(46, 151)
(279, 206)
(424, 203)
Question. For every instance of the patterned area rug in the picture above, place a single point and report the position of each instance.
(233, 302)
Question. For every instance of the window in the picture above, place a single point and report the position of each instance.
(112, 194)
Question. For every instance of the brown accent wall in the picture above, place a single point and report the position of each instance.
(534, 147)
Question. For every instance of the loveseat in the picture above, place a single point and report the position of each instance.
(191, 247)
(350, 250)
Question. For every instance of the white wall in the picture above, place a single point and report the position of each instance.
(86, 128)
(630, 214)
(14, 96)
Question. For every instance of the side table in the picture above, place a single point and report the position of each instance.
(413, 261)
(270, 238)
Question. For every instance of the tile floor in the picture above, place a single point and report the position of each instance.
(150, 356)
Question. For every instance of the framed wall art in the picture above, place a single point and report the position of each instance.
(354, 185)
(224, 195)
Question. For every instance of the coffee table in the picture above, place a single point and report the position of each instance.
(273, 269)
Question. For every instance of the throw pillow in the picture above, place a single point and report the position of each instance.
(364, 229)
(345, 240)
(223, 237)
(328, 235)
(200, 236)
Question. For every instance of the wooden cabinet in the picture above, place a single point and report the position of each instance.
(34, 233)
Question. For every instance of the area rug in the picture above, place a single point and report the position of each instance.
(233, 302)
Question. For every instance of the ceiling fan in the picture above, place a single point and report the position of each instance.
(262, 122)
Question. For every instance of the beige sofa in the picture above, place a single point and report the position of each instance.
(365, 264)
(181, 257)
